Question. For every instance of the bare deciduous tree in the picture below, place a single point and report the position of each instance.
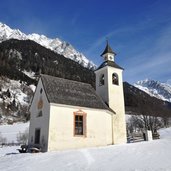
(3, 140)
(144, 122)
(23, 137)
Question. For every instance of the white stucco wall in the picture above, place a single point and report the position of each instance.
(102, 90)
(61, 130)
(113, 95)
(116, 102)
(41, 122)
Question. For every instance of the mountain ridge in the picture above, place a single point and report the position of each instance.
(56, 45)
(21, 60)
(155, 88)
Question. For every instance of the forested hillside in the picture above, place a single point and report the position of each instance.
(22, 61)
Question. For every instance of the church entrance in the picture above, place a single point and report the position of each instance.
(37, 136)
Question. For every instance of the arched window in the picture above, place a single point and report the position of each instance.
(41, 90)
(101, 81)
(115, 79)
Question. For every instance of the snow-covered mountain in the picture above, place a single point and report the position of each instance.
(14, 100)
(155, 88)
(56, 45)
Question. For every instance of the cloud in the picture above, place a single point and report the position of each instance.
(35, 26)
(155, 62)
(147, 48)
(127, 31)
(109, 36)
(75, 19)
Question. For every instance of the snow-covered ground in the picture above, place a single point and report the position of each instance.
(10, 131)
(144, 156)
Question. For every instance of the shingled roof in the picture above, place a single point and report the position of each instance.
(109, 63)
(108, 49)
(68, 92)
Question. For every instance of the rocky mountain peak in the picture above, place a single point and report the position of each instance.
(56, 45)
(155, 88)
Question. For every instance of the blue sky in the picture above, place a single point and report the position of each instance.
(139, 31)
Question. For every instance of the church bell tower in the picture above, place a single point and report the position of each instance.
(109, 85)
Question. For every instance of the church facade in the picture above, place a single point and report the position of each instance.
(67, 114)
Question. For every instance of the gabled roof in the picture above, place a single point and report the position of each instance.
(108, 49)
(109, 63)
(68, 92)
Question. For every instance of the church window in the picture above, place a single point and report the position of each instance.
(31, 139)
(101, 80)
(37, 136)
(40, 113)
(41, 90)
(115, 79)
(79, 123)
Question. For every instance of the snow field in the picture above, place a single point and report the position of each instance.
(144, 156)
(10, 131)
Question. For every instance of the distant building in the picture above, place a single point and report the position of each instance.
(68, 114)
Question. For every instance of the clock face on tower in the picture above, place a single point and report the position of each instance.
(110, 58)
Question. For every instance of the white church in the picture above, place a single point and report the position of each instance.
(67, 114)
